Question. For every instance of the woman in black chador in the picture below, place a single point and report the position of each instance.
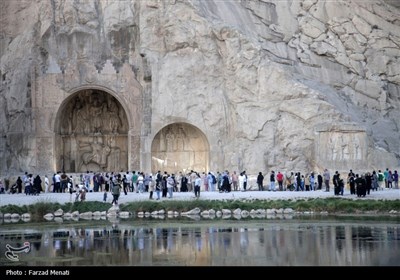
(361, 188)
(19, 184)
(184, 181)
(37, 185)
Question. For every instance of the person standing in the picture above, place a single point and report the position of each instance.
(279, 178)
(57, 182)
(327, 178)
(205, 181)
(235, 181)
(140, 182)
(335, 180)
(360, 183)
(241, 182)
(313, 186)
(28, 184)
(260, 179)
(386, 177)
(134, 182)
(289, 181)
(46, 184)
(170, 185)
(164, 184)
(125, 184)
(184, 183)
(351, 180)
(390, 180)
(396, 179)
(272, 181)
(210, 179)
(226, 185)
(374, 179)
(193, 176)
(381, 180)
(320, 180)
(245, 181)
(105, 195)
(116, 189)
(158, 184)
(19, 184)
(197, 185)
(151, 186)
(368, 182)
(341, 186)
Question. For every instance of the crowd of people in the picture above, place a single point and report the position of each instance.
(165, 184)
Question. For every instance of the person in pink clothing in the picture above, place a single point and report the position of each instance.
(235, 180)
(205, 182)
(279, 178)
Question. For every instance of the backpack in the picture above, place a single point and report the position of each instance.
(214, 180)
(116, 189)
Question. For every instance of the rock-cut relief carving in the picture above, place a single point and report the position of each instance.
(94, 132)
(94, 113)
(179, 147)
(94, 153)
(342, 146)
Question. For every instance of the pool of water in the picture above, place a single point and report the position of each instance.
(338, 241)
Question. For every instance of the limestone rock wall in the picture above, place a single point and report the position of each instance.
(284, 85)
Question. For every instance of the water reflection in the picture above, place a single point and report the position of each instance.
(285, 243)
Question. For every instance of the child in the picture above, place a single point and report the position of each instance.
(105, 195)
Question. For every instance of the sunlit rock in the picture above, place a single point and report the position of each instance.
(15, 216)
(96, 214)
(67, 215)
(124, 214)
(245, 214)
(288, 211)
(195, 211)
(236, 211)
(75, 214)
(205, 213)
(58, 213)
(49, 217)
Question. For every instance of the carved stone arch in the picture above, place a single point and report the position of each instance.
(180, 147)
(91, 131)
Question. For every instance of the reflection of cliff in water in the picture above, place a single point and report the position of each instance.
(327, 244)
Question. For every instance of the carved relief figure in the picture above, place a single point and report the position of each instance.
(114, 121)
(357, 152)
(169, 138)
(332, 148)
(97, 154)
(96, 111)
(90, 114)
(115, 155)
(179, 147)
(344, 148)
(80, 119)
(180, 140)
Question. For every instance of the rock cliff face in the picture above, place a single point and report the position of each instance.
(238, 85)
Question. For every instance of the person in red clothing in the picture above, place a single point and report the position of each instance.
(279, 178)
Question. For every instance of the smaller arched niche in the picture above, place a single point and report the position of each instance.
(180, 147)
(93, 133)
